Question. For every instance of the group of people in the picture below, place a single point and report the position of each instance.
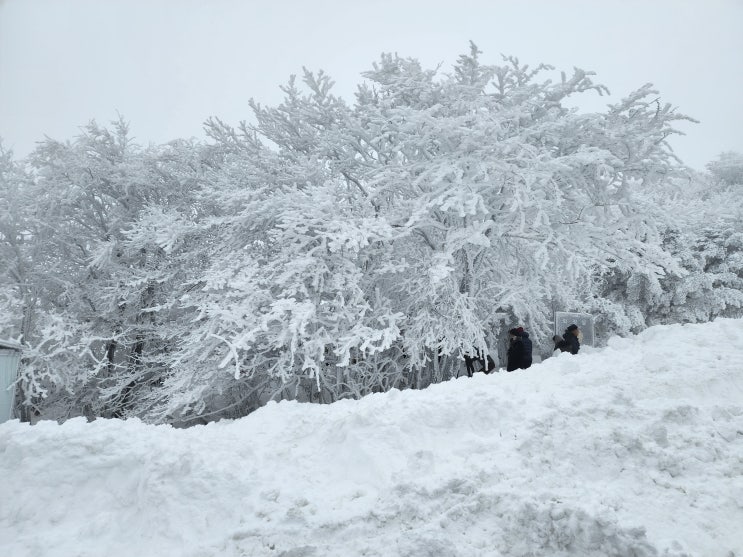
(519, 346)
(520, 349)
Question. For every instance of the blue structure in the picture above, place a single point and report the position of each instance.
(10, 359)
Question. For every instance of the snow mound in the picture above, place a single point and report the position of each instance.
(636, 449)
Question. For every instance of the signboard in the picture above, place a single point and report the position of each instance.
(10, 357)
(563, 319)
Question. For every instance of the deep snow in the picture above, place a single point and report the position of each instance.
(636, 449)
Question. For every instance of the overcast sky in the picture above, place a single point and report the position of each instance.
(166, 65)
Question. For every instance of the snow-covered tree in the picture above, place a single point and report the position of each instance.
(331, 250)
(728, 168)
(408, 226)
(103, 215)
(16, 285)
(700, 229)
(513, 203)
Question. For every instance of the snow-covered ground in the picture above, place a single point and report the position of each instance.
(636, 449)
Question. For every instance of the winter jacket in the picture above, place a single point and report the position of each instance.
(562, 345)
(526, 362)
(469, 361)
(516, 355)
(573, 342)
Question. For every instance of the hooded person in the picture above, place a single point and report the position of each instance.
(571, 337)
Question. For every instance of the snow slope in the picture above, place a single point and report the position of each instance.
(636, 449)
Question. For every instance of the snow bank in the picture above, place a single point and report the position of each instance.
(633, 450)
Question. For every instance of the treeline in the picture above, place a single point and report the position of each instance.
(331, 250)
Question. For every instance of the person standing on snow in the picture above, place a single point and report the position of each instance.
(469, 362)
(571, 337)
(526, 363)
(516, 351)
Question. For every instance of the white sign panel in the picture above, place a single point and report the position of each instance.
(10, 357)
(563, 319)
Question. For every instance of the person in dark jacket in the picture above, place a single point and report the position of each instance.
(469, 362)
(516, 351)
(526, 363)
(571, 337)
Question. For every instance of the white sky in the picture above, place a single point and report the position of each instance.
(166, 65)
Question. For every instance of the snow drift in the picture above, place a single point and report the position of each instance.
(636, 449)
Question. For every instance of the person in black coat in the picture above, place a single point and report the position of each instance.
(469, 361)
(571, 337)
(516, 351)
(526, 362)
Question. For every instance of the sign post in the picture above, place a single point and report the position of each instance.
(10, 358)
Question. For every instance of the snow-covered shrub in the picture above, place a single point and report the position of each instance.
(332, 250)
